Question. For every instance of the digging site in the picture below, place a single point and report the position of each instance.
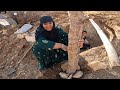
(17, 60)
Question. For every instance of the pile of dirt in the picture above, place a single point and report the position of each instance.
(12, 48)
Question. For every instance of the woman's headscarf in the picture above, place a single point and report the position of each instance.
(41, 32)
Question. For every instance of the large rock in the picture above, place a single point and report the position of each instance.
(12, 22)
(96, 65)
(4, 22)
(94, 59)
(30, 37)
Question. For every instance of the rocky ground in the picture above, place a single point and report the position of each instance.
(13, 47)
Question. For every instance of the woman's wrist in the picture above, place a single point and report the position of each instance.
(58, 46)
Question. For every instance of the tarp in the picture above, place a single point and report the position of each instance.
(24, 28)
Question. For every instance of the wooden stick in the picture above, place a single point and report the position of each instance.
(23, 56)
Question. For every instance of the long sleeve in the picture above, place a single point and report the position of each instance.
(45, 44)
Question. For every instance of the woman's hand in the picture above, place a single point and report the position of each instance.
(57, 46)
(60, 46)
(64, 47)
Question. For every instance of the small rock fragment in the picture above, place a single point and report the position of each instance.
(78, 74)
(63, 75)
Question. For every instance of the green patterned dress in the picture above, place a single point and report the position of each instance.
(46, 55)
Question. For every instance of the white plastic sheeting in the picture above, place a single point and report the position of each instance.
(24, 28)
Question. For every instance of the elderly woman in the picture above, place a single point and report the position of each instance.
(51, 43)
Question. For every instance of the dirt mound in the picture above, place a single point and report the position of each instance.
(12, 48)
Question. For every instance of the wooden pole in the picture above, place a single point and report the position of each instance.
(75, 33)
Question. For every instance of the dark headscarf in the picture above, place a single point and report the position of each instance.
(41, 32)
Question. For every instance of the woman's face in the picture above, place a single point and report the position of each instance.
(48, 26)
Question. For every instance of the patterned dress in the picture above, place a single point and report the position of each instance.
(46, 55)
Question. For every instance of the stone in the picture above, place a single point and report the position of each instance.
(63, 75)
(4, 32)
(4, 22)
(39, 75)
(78, 74)
(70, 77)
(96, 65)
(30, 37)
(20, 36)
(64, 66)
(12, 22)
(94, 59)
(71, 70)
